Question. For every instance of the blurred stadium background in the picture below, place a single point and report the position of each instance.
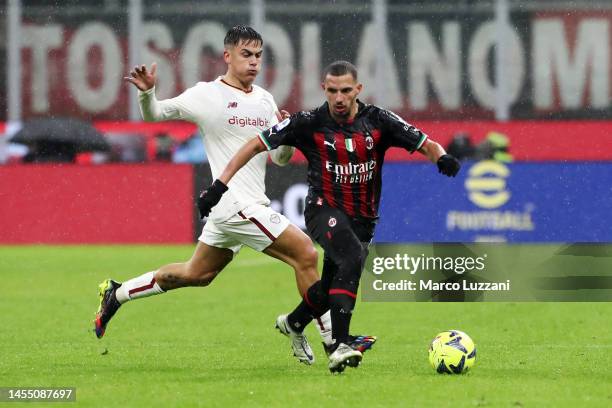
(519, 89)
(523, 83)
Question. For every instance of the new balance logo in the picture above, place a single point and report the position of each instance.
(232, 105)
(333, 145)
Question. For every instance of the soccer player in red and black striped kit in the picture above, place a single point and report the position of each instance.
(344, 141)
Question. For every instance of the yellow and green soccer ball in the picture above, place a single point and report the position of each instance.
(452, 352)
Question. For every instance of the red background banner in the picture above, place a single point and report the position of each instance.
(96, 204)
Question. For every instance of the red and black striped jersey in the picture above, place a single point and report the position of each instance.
(345, 159)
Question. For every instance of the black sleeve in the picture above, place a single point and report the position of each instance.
(399, 133)
(286, 132)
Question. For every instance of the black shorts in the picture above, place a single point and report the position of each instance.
(324, 221)
(345, 241)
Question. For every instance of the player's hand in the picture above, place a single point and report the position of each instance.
(282, 115)
(142, 78)
(210, 197)
(448, 165)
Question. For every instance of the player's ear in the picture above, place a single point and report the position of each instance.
(323, 85)
(359, 87)
(226, 56)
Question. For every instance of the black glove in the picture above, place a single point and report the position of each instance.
(210, 197)
(448, 165)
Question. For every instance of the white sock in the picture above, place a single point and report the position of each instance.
(324, 327)
(139, 287)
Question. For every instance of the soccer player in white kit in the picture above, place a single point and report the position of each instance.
(229, 111)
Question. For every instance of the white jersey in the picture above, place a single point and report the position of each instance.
(227, 118)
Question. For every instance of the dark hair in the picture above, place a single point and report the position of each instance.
(340, 68)
(240, 33)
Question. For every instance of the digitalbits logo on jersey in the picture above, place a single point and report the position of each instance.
(247, 121)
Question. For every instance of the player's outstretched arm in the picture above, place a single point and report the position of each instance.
(447, 164)
(179, 108)
(432, 150)
(403, 134)
(212, 195)
(144, 80)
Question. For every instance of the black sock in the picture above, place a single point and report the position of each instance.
(313, 305)
(341, 306)
(300, 317)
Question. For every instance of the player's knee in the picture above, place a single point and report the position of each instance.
(309, 257)
(349, 273)
(350, 265)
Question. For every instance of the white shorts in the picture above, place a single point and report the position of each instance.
(256, 226)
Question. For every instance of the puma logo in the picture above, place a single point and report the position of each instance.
(333, 145)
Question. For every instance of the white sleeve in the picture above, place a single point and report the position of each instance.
(283, 154)
(180, 107)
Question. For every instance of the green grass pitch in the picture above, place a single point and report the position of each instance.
(216, 346)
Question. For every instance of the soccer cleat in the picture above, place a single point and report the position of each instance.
(343, 356)
(360, 343)
(108, 305)
(299, 342)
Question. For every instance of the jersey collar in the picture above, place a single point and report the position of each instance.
(235, 87)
